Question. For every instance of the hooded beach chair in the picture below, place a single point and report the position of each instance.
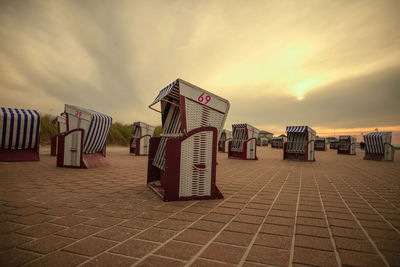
(378, 146)
(347, 145)
(142, 132)
(300, 143)
(83, 144)
(182, 161)
(223, 144)
(19, 134)
(61, 125)
(333, 144)
(243, 144)
(320, 144)
(262, 141)
(277, 142)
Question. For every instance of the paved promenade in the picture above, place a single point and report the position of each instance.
(339, 210)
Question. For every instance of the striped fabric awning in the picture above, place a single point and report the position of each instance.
(96, 136)
(164, 92)
(298, 129)
(374, 142)
(19, 128)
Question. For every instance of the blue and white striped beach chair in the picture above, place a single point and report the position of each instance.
(320, 144)
(83, 145)
(378, 146)
(19, 134)
(300, 144)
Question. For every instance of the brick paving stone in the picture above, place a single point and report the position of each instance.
(186, 216)
(355, 258)
(7, 227)
(25, 211)
(314, 257)
(156, 235)
(311, 221)
(178, 250)
(103, 222)
(79, 231)
(362, 245)
(216, 217)
(342, 223)
(117, 233)
(154, 215)
(223, 210)
(208, 263)
(280, 220)
(134, 248)
(11, 240)
(108, 259)
(277, 229)
(172, 224)
(223, 252)
(70, 220)
(90, 246)
(313, 242)
(33, 219)
(234, 238)
(139, 223)
(312, 231)
(6, 217)
(274, 241)
(270, 256)
(47, 244)
(281, 213)
(16, 257)
(248, 219)
(41, 230)
(208, 226)
(59, 259)
(347, 232)
(63, 211)
(195, 236)
(159, 261)
(242, 227)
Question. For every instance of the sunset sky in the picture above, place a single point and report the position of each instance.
(332, 65)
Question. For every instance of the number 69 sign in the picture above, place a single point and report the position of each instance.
(201, 98)
(78, 113)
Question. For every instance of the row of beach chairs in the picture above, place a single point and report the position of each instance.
(181, 162)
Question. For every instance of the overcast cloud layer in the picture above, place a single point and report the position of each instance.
(328, 64)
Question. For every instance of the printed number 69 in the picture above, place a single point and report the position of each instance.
(201, 98)
(78, 113)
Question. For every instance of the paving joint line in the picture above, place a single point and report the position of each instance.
(295, 220)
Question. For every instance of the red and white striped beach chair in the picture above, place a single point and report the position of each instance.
(182, 162)
(243, 144)
(300, 144)
(223, 144)
(19, 134)
(320, 144)
(378, 146)
(61, 128)
(142, 132)
(347, 145)
(277, 142)
(83, 145)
